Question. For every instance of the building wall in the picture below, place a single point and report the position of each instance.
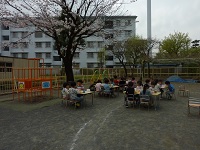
(38, 45)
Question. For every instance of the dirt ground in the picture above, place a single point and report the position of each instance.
(107, 125)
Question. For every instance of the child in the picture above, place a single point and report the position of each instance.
(80, 85)
(170, 89)
(154, 87)
(116, 81)
(98, 86)
(139, 86)
(106, 86)
(159, 85)
(73, 92)
(145, 90)
(65, 90)
(129, 93)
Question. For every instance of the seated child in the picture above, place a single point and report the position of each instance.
(154, 87)
(73, 93)
(80, 85)
(129, 93)
(106, 86)
(116, 81)
(170, 89)
(139, 86)
(158, 85)
(145, 90)
(98, 86)
(65, 91)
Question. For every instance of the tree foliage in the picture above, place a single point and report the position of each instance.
(174, 45)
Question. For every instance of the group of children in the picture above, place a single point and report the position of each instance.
(147, 89)
(105, 87)
(71, 91)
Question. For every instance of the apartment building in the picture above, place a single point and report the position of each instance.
(38, 45)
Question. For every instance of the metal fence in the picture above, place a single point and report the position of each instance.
(92, 74)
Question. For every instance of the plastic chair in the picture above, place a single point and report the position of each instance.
(171, 95)
(193, 102)
(183, 90)
(145, 99)
(129, 99)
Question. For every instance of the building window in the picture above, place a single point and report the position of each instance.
(15, 55)
(38, 55)
(109, 24)
(76, 55)
(56, 58)
(108, 36)
(24, 55)
(48, 44)
(100, 44)
(90, 54)
(127, 22)
(128, 33)
(15, 34)
(48, 55)
(6, 48)
(38, 44)
(90, 65)
(110, 58)
(5, 27)
(5, 37)
(118, 23)
(24, 34)
(90, 44)
(38, 34)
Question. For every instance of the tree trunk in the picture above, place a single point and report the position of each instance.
(68, 69)
(148, 66)
(124, 66)
(143, 64)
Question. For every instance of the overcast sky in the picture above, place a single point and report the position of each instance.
(168, 16)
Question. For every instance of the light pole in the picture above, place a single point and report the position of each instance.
(149, 19)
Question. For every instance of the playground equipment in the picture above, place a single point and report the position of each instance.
(32, 82)
(97, 75)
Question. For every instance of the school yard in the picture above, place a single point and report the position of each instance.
(107, 125)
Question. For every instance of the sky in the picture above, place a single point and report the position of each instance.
(167, 17)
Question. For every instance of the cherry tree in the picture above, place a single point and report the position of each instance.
(68, 22)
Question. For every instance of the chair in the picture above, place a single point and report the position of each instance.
(130, 99)
(71, 101)
(193, 102)
(145, 99)
(170, 95)
(183, 90)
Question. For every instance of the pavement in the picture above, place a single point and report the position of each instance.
(106, 125)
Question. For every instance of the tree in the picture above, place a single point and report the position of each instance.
(67, 22)
(101, 57)
(173, 45)
(118, 51)
(138, 51)
(195, 43)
